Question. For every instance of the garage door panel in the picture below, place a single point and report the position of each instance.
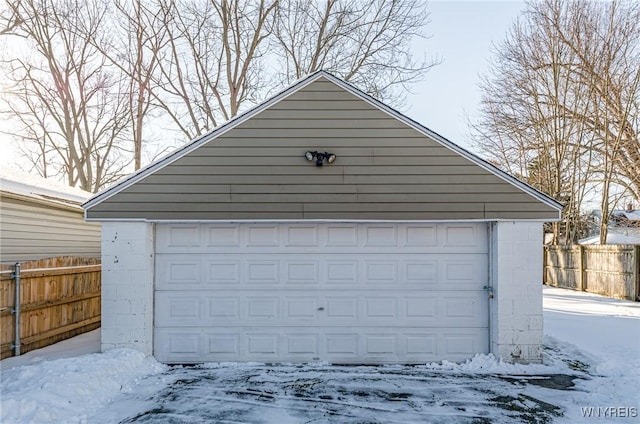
(464, 309)
(380, 272)
(339, 236)
(178, 310)
(229, 271)
(252, 272)
(180, 272)
(302, 271)
(461, 343)
(316, 308)
(322, 237)
(419, 236)
(337, 345)
(340, 292)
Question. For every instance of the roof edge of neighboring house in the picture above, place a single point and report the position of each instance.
(52, 201)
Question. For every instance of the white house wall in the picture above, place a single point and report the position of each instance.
(31, 230)
(516, 310)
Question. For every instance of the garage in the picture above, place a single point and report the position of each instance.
(336, 292)
(322, 225)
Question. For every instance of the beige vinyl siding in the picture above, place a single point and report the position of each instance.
(384, 170)
(33, 230)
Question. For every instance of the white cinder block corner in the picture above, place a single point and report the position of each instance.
(127, 286)
(516, 309)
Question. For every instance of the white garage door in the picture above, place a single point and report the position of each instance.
(337, 292)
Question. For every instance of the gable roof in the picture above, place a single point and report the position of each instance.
(308, 93)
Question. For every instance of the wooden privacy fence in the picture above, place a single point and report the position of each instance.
(609, 270)
(59, 298)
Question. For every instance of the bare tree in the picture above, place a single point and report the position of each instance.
(63, 95)
(211, 63)
(365, 42)
(560, 104)
(524, 126)
(136, 36)
(106, 73)
(222, 53)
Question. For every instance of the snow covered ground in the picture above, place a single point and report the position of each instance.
(592, 367)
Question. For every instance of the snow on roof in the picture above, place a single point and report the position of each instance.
(626, 237)
(22, 183)
(632, 215)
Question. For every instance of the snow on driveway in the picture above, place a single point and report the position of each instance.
(592, 354)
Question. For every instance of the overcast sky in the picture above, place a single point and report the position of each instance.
(463, 34)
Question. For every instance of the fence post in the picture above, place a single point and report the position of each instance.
(16, 310)
(545, 252)
(581, 268)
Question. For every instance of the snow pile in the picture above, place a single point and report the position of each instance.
(68, 390)
(489, 364)
(605, 333)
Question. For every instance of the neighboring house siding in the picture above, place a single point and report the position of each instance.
(384, 170)
(33, 230)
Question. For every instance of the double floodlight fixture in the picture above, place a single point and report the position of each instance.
(320, 157)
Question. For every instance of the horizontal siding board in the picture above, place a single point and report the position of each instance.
(202, 206)
(311, 179)
(34, 219)
(147, 188)
(322, 143)
(379, 122)
(345, 133)
(341, 160)
(323, 85)
(308, 168)
(66, 243)
(306, 207)
(304, 196)
(193, 215)
(320, 114)
(537, 215)
(43, 233)
(188, 180)
(311, 106)
(322, 96)
(350, 215)
(385, 169)
(375, 188)
(266, 150)
(497, 206)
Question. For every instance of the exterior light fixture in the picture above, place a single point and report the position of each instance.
(320, 157)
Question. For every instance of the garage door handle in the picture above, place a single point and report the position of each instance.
(321, 308)
(490, 290)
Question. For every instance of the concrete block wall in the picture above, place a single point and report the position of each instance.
(516, 309)
(127, 285)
